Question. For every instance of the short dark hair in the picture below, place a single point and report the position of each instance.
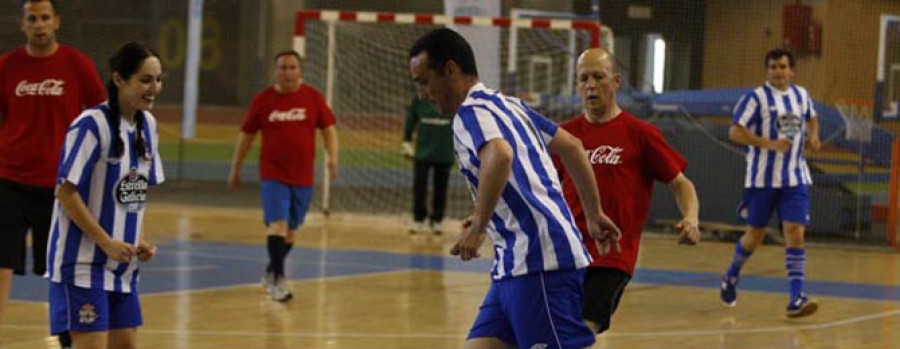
(52, 3)
(778, 53)
(288, 53)
(444, 45)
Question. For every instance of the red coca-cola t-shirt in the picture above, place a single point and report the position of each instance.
(627, 155)
(40, 97)
(288, 123)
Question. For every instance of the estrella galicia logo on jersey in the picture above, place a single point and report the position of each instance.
(539, 346)
(789, 124)
(87, 315)
(131, 191)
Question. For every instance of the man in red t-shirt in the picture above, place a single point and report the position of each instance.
(44, 85)
(288, 115)
(627, 155)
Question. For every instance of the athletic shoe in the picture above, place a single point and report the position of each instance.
(801, 306)
(437, 228)
(280, 291)
(728, 291)
(417, 227)
(267, 280)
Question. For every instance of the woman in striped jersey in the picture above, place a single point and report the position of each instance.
(109, 159)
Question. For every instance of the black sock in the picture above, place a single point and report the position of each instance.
(287, 248)
(276, 249)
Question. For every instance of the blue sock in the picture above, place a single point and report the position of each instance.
(795, 262)
(737, 262)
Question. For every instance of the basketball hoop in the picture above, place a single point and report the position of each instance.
(857, 115)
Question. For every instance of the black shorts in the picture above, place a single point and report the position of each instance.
(23, 208)
(603, 288)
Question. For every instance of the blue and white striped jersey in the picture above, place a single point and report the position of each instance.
(114, 190)
(531, 228)
(772, 114)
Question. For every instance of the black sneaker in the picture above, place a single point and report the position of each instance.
(728, 291)
(801, 306)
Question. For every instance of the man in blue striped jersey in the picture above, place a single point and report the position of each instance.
(503, 149)
(776, 122)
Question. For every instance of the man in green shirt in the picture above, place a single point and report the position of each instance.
(433, 151)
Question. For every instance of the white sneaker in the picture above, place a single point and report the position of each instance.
(267, 280)
(417, 227)
(280, 291)
(437, 228)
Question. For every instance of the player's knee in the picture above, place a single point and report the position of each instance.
(278, 228)
(793, 236)
(755, 236)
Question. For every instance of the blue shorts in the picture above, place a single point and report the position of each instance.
(758, 204)
(285, 202)
(79, 309)
(537, 310)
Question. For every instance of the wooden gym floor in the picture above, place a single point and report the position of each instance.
(364, 282)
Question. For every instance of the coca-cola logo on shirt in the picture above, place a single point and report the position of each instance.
(48, 87)
(296, 114)
(605, 154)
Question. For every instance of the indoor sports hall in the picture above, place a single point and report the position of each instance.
(361, 279)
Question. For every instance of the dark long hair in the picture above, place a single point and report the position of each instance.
(126, 62)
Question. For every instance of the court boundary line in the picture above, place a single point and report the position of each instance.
(250, 284)
(254, 284)
(806, 327)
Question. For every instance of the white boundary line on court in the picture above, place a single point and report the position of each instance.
(461, 335)
(256, 284)
(228, 287)
(821, 326)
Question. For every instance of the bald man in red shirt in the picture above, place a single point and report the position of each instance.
(627, 155)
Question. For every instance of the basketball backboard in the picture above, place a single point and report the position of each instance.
(887, 85)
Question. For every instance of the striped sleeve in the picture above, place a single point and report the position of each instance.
(811, 109)
(157, 175)
(81, 149)
(546, 127)
(747, 110)
(480, 124)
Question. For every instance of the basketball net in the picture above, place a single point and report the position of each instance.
(857, 115)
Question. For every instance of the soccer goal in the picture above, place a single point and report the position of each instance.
(358, 60)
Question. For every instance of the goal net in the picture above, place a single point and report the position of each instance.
(359, 61)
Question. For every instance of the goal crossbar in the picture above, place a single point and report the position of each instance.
(593, 27)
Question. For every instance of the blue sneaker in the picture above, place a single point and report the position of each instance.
(801, 306)
(728, 291)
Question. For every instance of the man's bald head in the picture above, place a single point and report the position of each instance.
(597, 84)
(599, 56)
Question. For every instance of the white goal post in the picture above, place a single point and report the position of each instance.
(325, 42)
